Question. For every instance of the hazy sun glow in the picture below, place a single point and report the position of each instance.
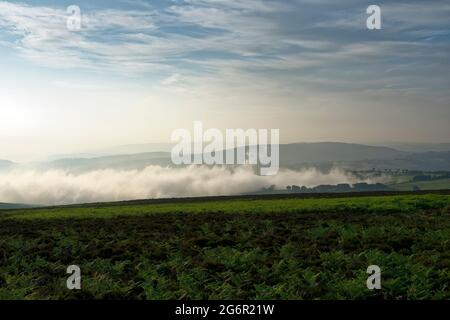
(15, 120)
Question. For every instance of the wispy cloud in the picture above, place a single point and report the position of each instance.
(109, 40)
(248, 36)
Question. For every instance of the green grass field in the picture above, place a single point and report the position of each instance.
(293, 248)
(440, 184)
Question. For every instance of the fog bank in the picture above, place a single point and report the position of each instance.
(57, 187)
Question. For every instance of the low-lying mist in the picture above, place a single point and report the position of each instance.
(57, 187)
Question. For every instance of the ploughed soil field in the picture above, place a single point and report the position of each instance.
(287, 247)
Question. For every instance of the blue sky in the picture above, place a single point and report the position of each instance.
(137, 70)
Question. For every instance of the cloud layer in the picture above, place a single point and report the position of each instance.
(232, 39)
(55, 187)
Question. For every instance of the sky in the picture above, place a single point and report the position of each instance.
(138, 70)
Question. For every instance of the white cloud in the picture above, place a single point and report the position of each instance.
(56, 187)
(172, 79)
(43, 38)
(251, 38)
(131, 41)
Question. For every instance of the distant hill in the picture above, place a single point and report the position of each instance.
(323, 155)
(5, 164)
(415, 147)
(117, 150)
(132, 161)
(140, 148)
(8, 206)
(298, 154)
(426, 161)
(323, 152)
(361, 157)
